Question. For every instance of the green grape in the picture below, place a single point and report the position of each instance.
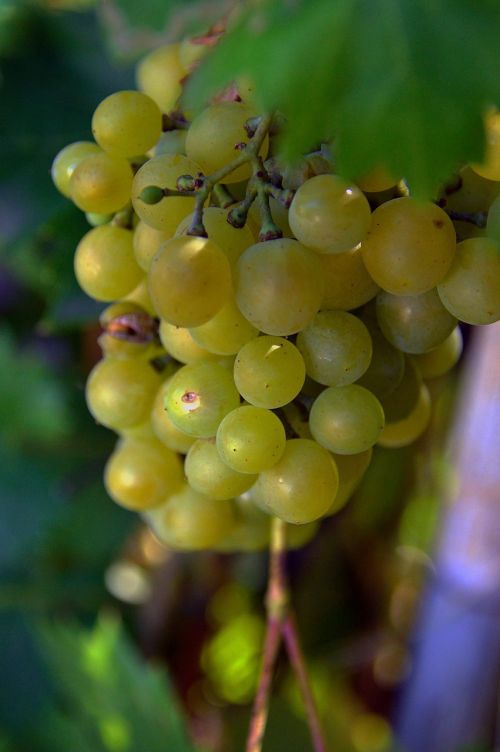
(250, 439)
(163, 172)
(120, 392)
(251, 531)
(101, 183)
(442, 358)
(141, 473)
(346, 419)
(140, 296)
(269, 371)
(178, 342)
(147, 242)
(387, 365)
(163, 427)
(233, 241)
(376, 181)
(214, 134)
(409, 247)
(189, 280)
(139, 432)
(329, 214)
(301, 487)
(336, 347)
(127, 123)
(403, 398)
(414, 323)
(347, 283)
(409, 429)
(207, 473)
(117, 341)
(351, 469)
(159, 75)
(105, 265)
(493, 220)
(226, 332)
(279, 286)
(199, 396)
(67, 159)
(490, 167)
(471, 289)
(189, 520)
(96, 220)
(470, 192)
(171, 142)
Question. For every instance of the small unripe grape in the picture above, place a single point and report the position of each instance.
(101, 183)
(67, 159)
(127, 123)
(105, 265)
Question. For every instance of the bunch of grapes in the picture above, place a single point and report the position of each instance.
(268, 325)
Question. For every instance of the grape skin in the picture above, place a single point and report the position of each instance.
(250, 439)
(127, 123)
(105, 265)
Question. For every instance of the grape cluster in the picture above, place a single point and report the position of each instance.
(267, 326)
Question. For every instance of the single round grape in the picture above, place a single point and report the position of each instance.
(351, 468)
(189, 280)
(214, 135)
(127, 123)
(147, 242)
(471, 289)
(250, 439)
(387, 365)
(67, 159)
(140, 295)
(490, 166)
(178, 342)
(442, 358)
(105, 265)
(410, 246)
(269, 371)
(115, 345)
(329, 214)
(120, 392)
(101, 183)
(226, 332)
(163, 172)
(189, 520)
(347, 283)
(159, 75)
(377, 180)
(279, 286)
(414, 323)
(301, 487)
(209, 474)
(336, 347)
(163, 427)
(141, 473)
(409, 429)
(199, 396)
(400, 401)
(346, 419)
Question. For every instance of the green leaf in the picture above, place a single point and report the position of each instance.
(112, 698)
(402, 83)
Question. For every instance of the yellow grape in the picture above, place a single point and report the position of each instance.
(147, 242)
(101, 183)
(226, 332)
(409, 429)
(490, 167)
(377, 180)
(469, 192)
(178, 342)
(140, 295)
(190, 53)
(121, 346)
(127, 123)
(67, 159)
(163, 427)
(105, 265)
(442, 358)
(159, 75)
(347, 282)
(250, 439)
(208, 474)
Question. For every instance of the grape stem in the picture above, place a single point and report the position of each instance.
(280, 626)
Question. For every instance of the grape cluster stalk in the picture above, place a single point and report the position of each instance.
(267, 324)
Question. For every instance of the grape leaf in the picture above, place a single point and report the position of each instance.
(403, 83)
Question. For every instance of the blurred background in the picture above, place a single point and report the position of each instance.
(109, 641)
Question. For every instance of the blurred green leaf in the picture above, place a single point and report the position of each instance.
(403, 84)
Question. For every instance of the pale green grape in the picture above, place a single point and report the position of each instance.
(105, 265)
(67, 159)
(490, 167)
(126, 343)
(141, 473)
(214, 134)
(409, 429)
(347, 283)
(178, 342)
(199, 396)
(414, 323)
(171, 142)
(159, 75)
(346, 419)
(351, 468)
(226, 332)
(279, 286)
(163, 427)
(147, 242)
(301, 487)
(402, 399)
(442, 358)
(387, 365)
(209, 474)
(336, 347)
(329, 214)
(127, 123)
(269, 371)
(471, 289)
(120, 392)
(189, 280)
(250, 439)
(189, 520)
(410, 246)
(101, 183)
(163, 172)
(376, 181)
